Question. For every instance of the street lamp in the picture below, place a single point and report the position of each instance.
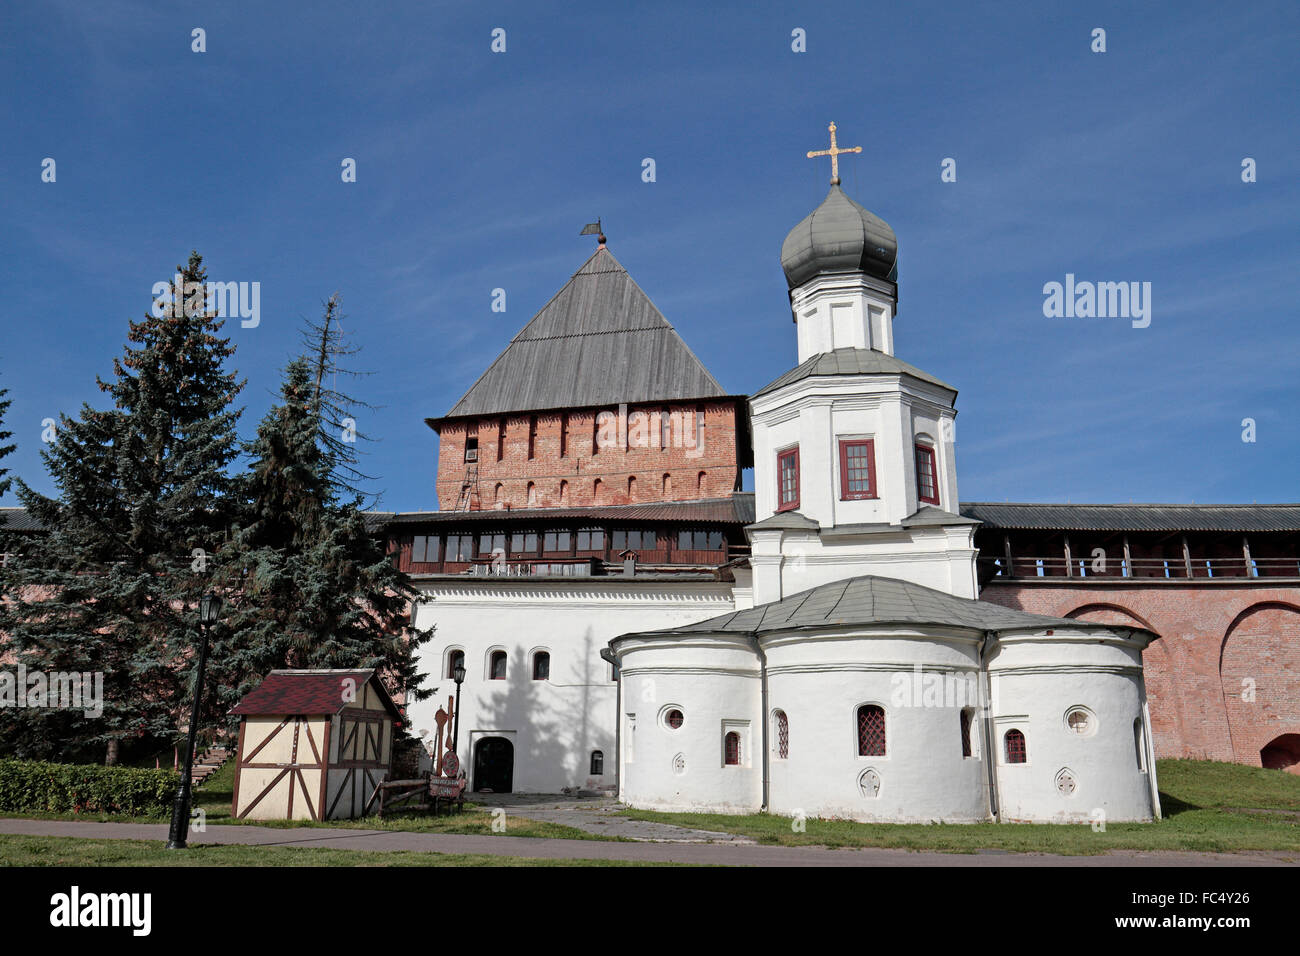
(209, 611)
(458, 675)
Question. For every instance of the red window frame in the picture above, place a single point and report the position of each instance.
(869, 444)
(731, 749)
(928, 453)
(791, 454)
(871, 730)
(1016, 750)
(542, 665)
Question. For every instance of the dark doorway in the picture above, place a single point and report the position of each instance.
(494, 765)
(1283, 753)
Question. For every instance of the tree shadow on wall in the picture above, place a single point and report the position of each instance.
(546, 714)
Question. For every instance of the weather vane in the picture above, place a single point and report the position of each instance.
(593, 229)
(834, 154)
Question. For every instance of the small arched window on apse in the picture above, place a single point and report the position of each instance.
(597, 763)
(1016, 750)
(497, 666)
(542, 665)
(731, 749)
(782, 735)
(454, 657)
(871, 730)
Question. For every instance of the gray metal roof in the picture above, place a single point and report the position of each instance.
(599, 341)
(17, 519)
(738, 509)
(870, 599)
(1140, 517)
(851, 361)
(839, 236)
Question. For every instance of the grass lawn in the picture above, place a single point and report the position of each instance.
(217, 792)
(1206, 807)
(75, 851)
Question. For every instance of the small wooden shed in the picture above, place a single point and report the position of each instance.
(313, 745)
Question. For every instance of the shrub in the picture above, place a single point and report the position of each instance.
(28, 786)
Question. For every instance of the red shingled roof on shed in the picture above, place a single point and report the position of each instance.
(307, 692)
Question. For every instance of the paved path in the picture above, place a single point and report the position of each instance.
(709, 854)
(598, 815)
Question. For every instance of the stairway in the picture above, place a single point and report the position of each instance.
(207, 763)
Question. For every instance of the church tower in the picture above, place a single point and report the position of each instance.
(854, 454)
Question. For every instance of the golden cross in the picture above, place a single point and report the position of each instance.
(834, 154)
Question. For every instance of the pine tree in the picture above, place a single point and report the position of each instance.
(327, 347)
(142, 510)
(311, 585)
(5, 450)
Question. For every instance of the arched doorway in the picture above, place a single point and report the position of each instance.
(494, 765)
(1282, 753)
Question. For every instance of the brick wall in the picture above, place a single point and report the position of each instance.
(1219, 647)
(559, 454)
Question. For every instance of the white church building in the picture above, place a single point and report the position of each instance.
(631, 622)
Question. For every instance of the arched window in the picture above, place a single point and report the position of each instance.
(497, 666)
(501, 439)
(927, 474)
(1138, 745)
(965, 731)
(542, 666)
(699, 483)
(597, 763)
(597, 488)
(782, 735)
(871, 731)
(564, 492)
(731, 749)
(454, 658)
(631, 487)
(532, 495)
(668, 485)
(1015, 742)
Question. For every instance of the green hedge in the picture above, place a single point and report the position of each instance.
(28, 786)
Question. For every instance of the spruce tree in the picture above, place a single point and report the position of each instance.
(311, 585)
(141, 512)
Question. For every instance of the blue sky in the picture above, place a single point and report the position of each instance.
(476, 171)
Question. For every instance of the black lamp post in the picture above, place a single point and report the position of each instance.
(458, 675)
(209, 611)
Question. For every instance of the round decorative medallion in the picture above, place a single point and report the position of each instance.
(450, 764)
(1065, 782)
(869, 783)
(679, 764)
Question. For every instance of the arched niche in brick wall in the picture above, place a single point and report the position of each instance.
(1259, 672)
